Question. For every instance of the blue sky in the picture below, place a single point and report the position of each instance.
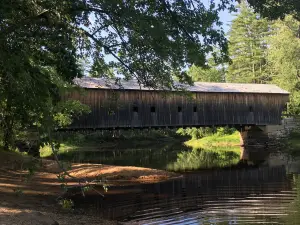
(226, 18)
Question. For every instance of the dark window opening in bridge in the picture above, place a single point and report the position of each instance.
(152, 109)
(250, 109)
(195, 109)
(179, 109)
(135, 109)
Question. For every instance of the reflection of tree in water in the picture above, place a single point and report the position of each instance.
(158, 156)
(205, 158)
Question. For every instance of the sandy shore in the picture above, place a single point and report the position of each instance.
(28, 199)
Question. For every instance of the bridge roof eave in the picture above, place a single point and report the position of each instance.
(198, 87)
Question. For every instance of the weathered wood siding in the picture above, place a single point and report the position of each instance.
(132, 108)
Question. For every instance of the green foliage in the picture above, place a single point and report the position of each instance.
(43, 45)
(213, 72)
(77, 138)
(37, 55)
(110, 139)
(216, 140)
(65, 112)
(206, 75)
(221, 131)
(66, 204)
(266, 52)
(274, 9)
(284, 59)
(247, 47)
(152, 40)
(292, 144)
(197, 133)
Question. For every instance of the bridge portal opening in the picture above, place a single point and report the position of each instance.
(179, 109)
(195, 109)
(250, 109)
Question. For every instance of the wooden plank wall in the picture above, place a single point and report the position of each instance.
(125, 108)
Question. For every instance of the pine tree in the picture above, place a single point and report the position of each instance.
(284, 59)
(247, 47)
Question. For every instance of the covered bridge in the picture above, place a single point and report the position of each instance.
(205, 104)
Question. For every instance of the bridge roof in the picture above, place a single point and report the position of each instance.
(102, 83)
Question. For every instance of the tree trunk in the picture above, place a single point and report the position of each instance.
(8, 132)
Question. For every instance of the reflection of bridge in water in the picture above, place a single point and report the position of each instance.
(257, 194)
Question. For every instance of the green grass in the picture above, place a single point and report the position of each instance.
(215, 140)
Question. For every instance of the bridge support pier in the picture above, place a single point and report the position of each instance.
(254, 143)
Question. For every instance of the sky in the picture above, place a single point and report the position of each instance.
(226, 18)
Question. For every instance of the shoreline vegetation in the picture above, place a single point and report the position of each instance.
(109, 140)
(215, 140)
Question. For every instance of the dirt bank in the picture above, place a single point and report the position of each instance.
(26, 196)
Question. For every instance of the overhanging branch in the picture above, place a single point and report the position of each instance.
(106, 48)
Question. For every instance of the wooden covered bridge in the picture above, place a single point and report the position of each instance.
(205, 104)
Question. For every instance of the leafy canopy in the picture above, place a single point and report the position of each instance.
(276, 9)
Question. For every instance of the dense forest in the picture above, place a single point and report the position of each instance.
(261, 51)
(44, 45)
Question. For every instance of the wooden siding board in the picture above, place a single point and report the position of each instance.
(212, 109)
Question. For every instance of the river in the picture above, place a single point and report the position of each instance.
(216, 188)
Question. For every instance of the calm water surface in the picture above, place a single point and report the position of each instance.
(213, 192)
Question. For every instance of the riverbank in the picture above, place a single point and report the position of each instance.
(29, 188)
(215, 140)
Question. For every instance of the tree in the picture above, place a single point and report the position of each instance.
(247, 47)
(214, 73)
(37, 55)
(41, 43)
(284, 59)
(275, 9)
